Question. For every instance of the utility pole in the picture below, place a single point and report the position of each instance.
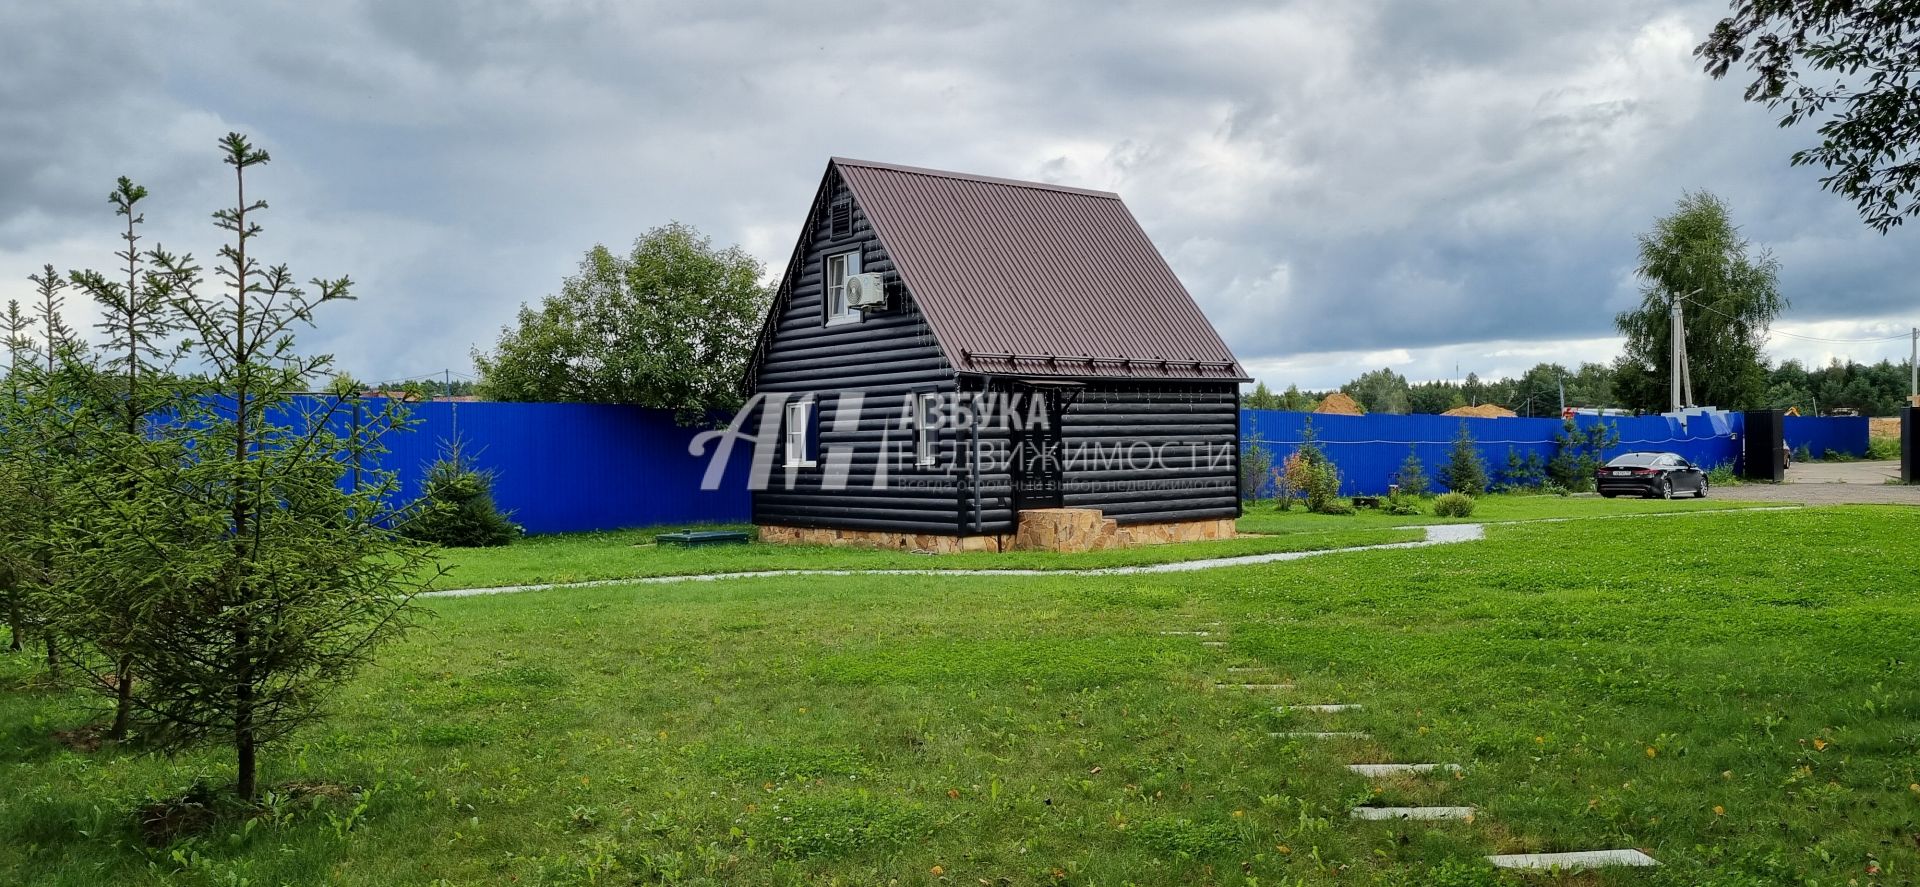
(1913, 368)
(1681, 383)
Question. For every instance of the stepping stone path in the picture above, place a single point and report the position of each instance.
(1573, 861)
(1584, 859)
(1399, 769)
(1376, 813)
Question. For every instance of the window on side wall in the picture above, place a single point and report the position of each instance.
(926, 411)
(799, 417)
(840, 267)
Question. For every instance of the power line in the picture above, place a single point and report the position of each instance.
(1773, 332)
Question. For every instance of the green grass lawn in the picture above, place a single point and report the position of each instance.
(1736, 694)
(630, 554)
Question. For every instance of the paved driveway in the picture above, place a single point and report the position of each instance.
(1832, 483)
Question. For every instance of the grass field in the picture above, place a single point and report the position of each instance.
(628, 554)
(1735, 693)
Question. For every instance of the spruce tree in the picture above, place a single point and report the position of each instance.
(284, 577)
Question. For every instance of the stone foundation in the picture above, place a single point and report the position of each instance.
(932, 542)
(1040, 529)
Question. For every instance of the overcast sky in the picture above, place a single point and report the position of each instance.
(1342, 185)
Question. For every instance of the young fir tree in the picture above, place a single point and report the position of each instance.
(456, 507)
(15, 471)
(39, 445)
(126, 501)
(1465, 472)
(284, 579)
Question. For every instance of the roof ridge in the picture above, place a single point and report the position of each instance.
(972, 177)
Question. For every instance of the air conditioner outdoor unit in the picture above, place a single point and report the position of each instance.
(866, 291)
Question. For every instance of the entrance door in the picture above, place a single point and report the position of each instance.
(1039, 470)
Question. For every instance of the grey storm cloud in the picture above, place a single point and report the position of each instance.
(1326, 177)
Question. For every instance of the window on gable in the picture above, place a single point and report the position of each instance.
(799, 417)
(926, 412)
(842, 215)
(839, 268)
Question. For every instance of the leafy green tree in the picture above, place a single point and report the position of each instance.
(1380, 391)
(1434, 398)
(1465, 472)
(1294, 401)
(1728, 295)
(283, 578)
(1853, 65)
(1261, 398)
(670, 325)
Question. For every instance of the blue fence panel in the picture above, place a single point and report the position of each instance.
(563, 467)
(1841, 434)
(1369, 450)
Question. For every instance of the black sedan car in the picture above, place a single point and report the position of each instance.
(1653, 475)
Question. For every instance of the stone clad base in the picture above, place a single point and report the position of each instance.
(1040, 529)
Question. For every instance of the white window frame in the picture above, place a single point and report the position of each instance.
(799, 417)
(838, 311)
(924, 406)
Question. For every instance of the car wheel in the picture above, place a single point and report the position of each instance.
(1666, 488)
(1702, 492)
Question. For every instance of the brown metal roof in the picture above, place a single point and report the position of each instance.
(1031, 279)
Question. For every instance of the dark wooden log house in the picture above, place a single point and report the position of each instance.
(950, 357)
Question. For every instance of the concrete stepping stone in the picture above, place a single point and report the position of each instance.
(1243, 669)
(1187, 634)
(1213, 643)
(1253, 686)
(1398, 769)
(1387, 813)
(1320, 734)
(1327, 708)
(1580, 859)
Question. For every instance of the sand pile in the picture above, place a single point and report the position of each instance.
(1483, 411)
(1339, 404)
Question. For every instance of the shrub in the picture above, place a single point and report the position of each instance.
(1555, 489)
(1413, 475)
(1722, 475)
(1883, 448)
(1465, 472)
(1453, 505)
(456, 508)
(1400, 503)
(1802, 453)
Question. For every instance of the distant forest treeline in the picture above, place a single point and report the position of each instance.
(1878, 389)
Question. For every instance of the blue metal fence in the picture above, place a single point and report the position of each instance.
(565, 467)
(1839, 434)
(572, 467)
(1369, 450)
